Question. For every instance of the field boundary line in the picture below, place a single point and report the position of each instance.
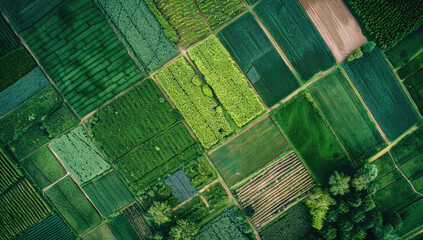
(228, 191)
(411, 184)
(230, 140)
(58, 180)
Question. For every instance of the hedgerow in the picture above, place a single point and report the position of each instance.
(169, 32)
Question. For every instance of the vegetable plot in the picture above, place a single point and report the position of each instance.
(52, 227)
(226, 81)
(181, 186)
(9, 173)
(217, 12)
(8, 39)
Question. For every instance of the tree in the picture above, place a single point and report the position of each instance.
(359, 183)
(183, 230)
(357, 53)
(249, 211)
(364, 176)
(368, 47)
(396, 221)
(354, 200)
(375, 217)
(350, 58)
(157, 236)
(329, 232)
(386, 232)
(346, 225)
(338, 183)
(160, 212)
(318, 202)
(358, 216)
(343, 207)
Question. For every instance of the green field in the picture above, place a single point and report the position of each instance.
(296, 36)
(21, 207)
(217, 12)
(258, 59)
(185, 18)
(413, 217)
(131, 225)
(382, 94)
(412, 67)
(73, 206)
(36, 121)
(347, 115)
(108, 194)
(415, 88)
(132, 118)
(202, 112)
(82, 55)
(155, 159)
(405, 50)
(226, 80)
(303, 125)
(9, 173)
(79, 155)
(140, 32)
(102, 232)
(249, 151)
(52, 227)
(8, 39)
(43, 167)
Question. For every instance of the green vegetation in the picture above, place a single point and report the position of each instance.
(137, 26)
(355, 54)
(122, 228)
(21, 207)
(387, 22)
(52, 227)
(108, 194)
(183, 230)
(9, 173)
(406, 49)
(27, 127)
(157, 158)
(217, 13)
(43, 167)
(79, 155)
(347, 116)
(8, 39)
(304, 127)
(201, 173)
(415, 87)
(295, 224)
(101, 232)
(82, 55)
(249, 151)
(382, 94)
(226, 81)
(199, 110)
(132, 118)
(181, 186)
(411, 67)
(14, 65)
(296, 36)
(72, 204)
(258, 59)
(185, 18)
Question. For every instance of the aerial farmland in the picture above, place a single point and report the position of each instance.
(211, 119)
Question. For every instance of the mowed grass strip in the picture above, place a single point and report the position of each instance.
(315, 142)
(296, 35)
(258, 59)
(382, 94)
(249, 151)
(347, 115)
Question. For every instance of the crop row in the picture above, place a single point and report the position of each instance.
(52, 227)
(218, 13)
(225, 226)
(8, 172)
(8, 39)
(201, 111)
(226, 80)
(274, 188)
(134, 215)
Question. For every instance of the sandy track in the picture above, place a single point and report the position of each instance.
(336, 25)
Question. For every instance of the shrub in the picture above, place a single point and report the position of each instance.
(207, 91)
(368, 47)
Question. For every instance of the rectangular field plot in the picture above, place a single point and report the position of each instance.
(249, 151)
(258, 59)
(8, 39)
(141, 33)
(187, 91)
(382, 94)
(102, 232)
(412, 216)
(79, 155)
(217, 12)
(108, 194)
(336, 25)
(52, 227)
(43, 167)
(347, 115)
(132, 118)
(181, 186)
(157, 157)
(131, 225)
(411, 68)
(80, 52)
(271, 190)
(36, 121)
(414, 85)
(226, 80)
(296, 36)
(406, 49)
(9, 173)
(307, 131)
(21, 207)
(72, 204)
(225, 226)
(185, 18)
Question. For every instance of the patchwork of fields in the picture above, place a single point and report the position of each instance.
(209, 119)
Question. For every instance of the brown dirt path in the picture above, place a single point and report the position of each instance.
(336, 25)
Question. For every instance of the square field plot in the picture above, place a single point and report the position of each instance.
(382, 94)
(259, 60)
(296, 35)
(82, 55)
(347, 115)
(336, 25)
(181, 186)
(315, 142)
(249, 151)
